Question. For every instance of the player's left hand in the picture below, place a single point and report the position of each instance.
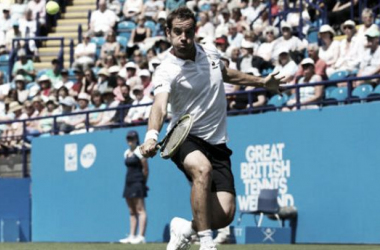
(148, 149)
(272, 83)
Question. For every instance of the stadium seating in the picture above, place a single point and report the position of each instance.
(339, 75)
(361, 92)
(123, 41)
(125, 28)
(339, 94)
(151, 25)
(278, 101)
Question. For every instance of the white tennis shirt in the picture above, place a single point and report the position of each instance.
(196, 88)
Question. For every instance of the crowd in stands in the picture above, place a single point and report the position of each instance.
(112, 74)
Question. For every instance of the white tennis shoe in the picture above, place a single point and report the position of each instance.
(177, 240)
(208, 246)
(127, 240)
(138, 240)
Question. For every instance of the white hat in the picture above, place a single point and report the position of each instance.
(253, 71)
(247, 44)
(283, 50)
(326, 28)
(14, 106)
(285, 25)
(131, 65)
(372, 32)
(103, 72)
(144, 72)
(68, 101)
(138, 87)
(271, 29)
(84, 96)
(155, 60)
(43, 78)
(162, 15)
(114, 69)
(348, 23)
(307, 61)
(19, 78)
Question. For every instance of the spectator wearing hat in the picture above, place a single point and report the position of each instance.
(55, 72)
(286, 67)
(266, 48)
(111, 46)
(368, 20)
(146, 79)
(294, 45)
(234, 37)
(39, 105)
(79, 121)
(309, 94)
(349, 49)
(131, 70)
(24, 67)
(102, 83)
(46, 125)
(102, 20)
(132, 9)
(135, 189)
(66, 82)
(329, 52)
(45, 86)
(221, 43)
(319, 65)
(108, 117)
(67, 106)
(248, 60)
(140, 113)
(22, 92)
(370, 59)
(113, 71)
(85, 52)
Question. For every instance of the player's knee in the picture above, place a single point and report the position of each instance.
(202, 174)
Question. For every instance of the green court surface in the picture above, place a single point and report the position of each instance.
(102, 246)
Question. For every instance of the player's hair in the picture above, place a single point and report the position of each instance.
(182, 13)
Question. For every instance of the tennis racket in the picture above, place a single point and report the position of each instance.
(169, 145)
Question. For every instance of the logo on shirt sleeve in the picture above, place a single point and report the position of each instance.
(214, 65)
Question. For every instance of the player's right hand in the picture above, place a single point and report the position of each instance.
(148, 148)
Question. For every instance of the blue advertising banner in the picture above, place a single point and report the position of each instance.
(324, 162)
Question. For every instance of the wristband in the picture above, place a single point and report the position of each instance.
(151, 134)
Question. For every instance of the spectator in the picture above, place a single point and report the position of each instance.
(12, 34)
(294, 45)
(38, 8)
(79, 121)
(309, 94)
(111, 46)
(349, 51)
(238, 19)
(368, 21)
(4, 90)
(12, 134)
(135, 189)
(205, 26)
(122, 59)
(319, 65)
(97, 104)
(132, 9)
(46, 125)
(85, 52)
(138, 36)
(286, 67)
(249, 60)
(225, 22)
(18, 9)
(214, 14)
(24, 67)
(66, 82)
(131, 68)
(234, 37)
(153, 64)
(341, 11)
(370, 60)
(28, 26)
(6, 21)
(102, 20)
(140, 113)
(45, 86)
(117, 91)
(62, 93)
(89, 80)
(146, 80)
(221, 44)
(253, 12)
(102, 84)
(22, 92)
(108, 117)
(150, 54)
(115, 6)
(152, 8)
(266, 48)
(113, 72)
(174, 4)
(39, 105)
(67, 107)
(110, 61)
(54, 74)
(329, 52)
(78, 85)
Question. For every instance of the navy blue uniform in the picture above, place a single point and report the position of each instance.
(134, 182)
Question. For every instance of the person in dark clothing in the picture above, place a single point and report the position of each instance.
(135, 189)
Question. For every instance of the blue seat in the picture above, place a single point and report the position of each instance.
(126, 26)
(328, 91)
(278, 101)
(151, 25)
(4, 58)
(339, 75)
(99, 41)
(205, 7)
(126, 35)
(312, 36)
(339, 94)
(122, 41)
(41, 72)
(362, 91)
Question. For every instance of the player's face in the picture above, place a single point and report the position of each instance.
(182, 36)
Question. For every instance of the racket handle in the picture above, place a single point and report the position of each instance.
(158, 146)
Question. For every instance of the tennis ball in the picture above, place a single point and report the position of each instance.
(52, 8)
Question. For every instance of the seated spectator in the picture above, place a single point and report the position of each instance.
(241, 24)
(102, 20)
(115, 6)
(138, 36)
(234, 37)
(66, 82)
(319, 65)
(108, 117)
(122, 59)
(113, 72)
(132, 9)
(225, 22)
(310, 94)
(247, 60)
(11, 136)
(329, 52)
(6, 22)
(151, 9)
(287, 41)
(349, 50)
(24, 67)
(368, 19)
(221, 44)
(111, 46)
(204, 26)
(46, 125)
(294, 18)
(78, 121)
(341, 11)
(140, 113)
(97, 104)
(22, 92)
(39, 105)
(131, 69)
(67, 106)
(54, 73)
(251, 13)
(62, 93)
(147, 83)
(4, 90)
(102, 83)
(89, 80)
(150, 54)
(38, 8)
(266, 48)
(18, 9)
(370, 60)
(45, 86)
(13, 33)
(78, 86)
(153, 64)
(85, 52)
(117, 90)
(286, 67)
(28, 26)
(160, 29)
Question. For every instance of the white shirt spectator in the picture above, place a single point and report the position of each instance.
(103, 21)
(38, 7)
(236, 40)
(5, 24)
(136, 113)
(208, 30)
(132, 6)
(292, 44)
(349, 57)
(89, 48)
(370, 62)
(152, 7)
(331, 54)
(18, 10)
(28, 28)
(265, 50)
(287, 70)
(251, 13)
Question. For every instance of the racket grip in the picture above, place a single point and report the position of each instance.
(158, 146)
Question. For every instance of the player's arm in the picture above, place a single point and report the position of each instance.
(271, 82)
(155, 122)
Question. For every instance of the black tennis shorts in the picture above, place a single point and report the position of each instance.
(219, 157)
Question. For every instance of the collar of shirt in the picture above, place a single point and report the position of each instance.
(199, 54)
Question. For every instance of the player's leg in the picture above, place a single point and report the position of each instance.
(140, 208)
(132, 215)
(223, 209)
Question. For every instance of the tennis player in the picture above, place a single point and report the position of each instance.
(191, 80)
